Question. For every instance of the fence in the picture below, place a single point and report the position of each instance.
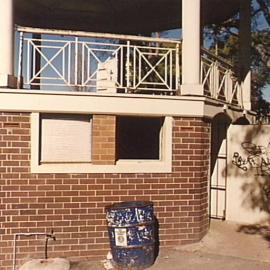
(98, 62)
(82, 61)
(219, 80)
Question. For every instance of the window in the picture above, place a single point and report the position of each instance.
(65, 138)
(63, 143)
(139, 137)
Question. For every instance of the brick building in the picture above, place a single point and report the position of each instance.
(132, 126)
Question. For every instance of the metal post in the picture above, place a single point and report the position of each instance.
(177, 68)
(121, 64)
(216, 80)
(76, 61)
(82, 65)
(36, 64)
(171, 69)
(28, 62)
(128, 64)
(134, 68)
(17, 235)
(69, 62)
(226, 85)
(20, 61)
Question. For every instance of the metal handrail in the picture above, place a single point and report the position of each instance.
(217, 58)
(219, 80)
(42, 31)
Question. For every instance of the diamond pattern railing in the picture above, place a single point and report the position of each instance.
(219, 79)
(91, 62)
(98, 62)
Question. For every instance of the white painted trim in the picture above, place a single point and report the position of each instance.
(94, 35)
(7, 37)
(35, 135)
(122, 166)
(39, 101)
(194, 89)
(115, 104)
(191, 30)
(9, 81)
(30, 101)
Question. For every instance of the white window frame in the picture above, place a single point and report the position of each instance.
(164, 165)
(76, 130)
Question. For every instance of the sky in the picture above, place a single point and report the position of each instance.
(266, 93)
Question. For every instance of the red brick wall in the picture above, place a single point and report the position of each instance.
(73, 204)
(103, 141)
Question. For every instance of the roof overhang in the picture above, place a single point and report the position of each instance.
(116, 16)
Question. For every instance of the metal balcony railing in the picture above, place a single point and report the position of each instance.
(97, 62)
(80, 61)
(219, 80)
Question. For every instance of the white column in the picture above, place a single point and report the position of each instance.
(6, 43)
(245, 51)
(191, 33)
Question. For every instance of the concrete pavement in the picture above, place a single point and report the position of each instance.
(226, 246)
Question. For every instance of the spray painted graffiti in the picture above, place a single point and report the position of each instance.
(258, 157)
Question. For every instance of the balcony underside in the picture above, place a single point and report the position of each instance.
(115, 16)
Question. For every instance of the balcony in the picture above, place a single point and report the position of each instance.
(110, 64)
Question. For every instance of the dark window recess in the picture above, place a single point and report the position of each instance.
(138, 137)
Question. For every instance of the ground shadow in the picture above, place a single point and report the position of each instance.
(261, 230)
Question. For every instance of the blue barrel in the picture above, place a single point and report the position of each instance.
(131, 227)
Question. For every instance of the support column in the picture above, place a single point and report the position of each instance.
(245, 51)
(7, 78)
(191, 59)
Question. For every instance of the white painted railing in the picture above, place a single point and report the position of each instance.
(99, 62)
(82, 61)
(219, 80)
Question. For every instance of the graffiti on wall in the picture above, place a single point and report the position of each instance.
(257, 157)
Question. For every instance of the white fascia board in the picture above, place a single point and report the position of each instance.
(119, 104)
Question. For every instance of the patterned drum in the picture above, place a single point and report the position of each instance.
(131, 227)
